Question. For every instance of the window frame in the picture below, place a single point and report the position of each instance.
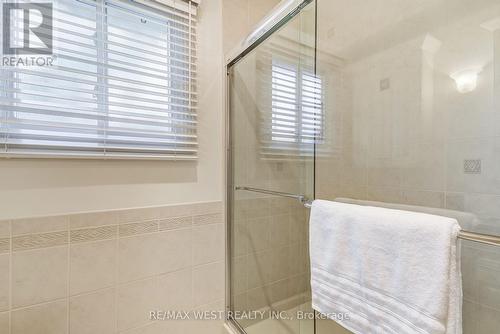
(102, 88)
(300, 147)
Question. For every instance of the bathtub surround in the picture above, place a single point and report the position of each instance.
(103, 272)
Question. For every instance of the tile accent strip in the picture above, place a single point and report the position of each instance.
(207, 219)
(41, 240)
(4, 245)
(50, 231)
(94, 234)
(138, 228)
(175, 223)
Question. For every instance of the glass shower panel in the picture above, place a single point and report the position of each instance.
(412, 114)
(274, 95)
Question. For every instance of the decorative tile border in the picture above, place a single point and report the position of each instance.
(138, 228)
(42, 240)
(175, 223)
(4, 245)
(94, 234)
(50, 231)
(207, 219)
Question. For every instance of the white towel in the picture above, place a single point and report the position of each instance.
(390, 271)
(466, 220)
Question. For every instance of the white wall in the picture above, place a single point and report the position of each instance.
(32, 187)
(240, 17)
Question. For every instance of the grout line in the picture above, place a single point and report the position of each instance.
(40, 304)
(11, 254)
(68, 286)
(115, 282)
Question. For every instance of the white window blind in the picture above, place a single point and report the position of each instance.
(296, 118)
(123, 85)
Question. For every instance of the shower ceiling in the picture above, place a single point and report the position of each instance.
(363, 27)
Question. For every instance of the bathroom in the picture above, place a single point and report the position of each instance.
(168, 165)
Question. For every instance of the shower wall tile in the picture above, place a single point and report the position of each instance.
(93, 219)
(154, 328)
(431, 199)
(4, 322)
(137, 257)
(206, 208)
(384, 194)
(208, 243)
(270, 249)
(239, 274)
(4, 281)
(485, 149)
(259, 234)
(259, 269)
(211, 326)
(239, 238)
(135, 301)
(39, 276)
(138, 215)
(427, 171)
(280, 230)
(5, 233)
(93, 313)
(455, 201)
(175, 291)
(5, 229)
(41, 319)
(488, 319)
(208, 283)
(175, 250)
(92, 266)
(39, 225)
(79, 271)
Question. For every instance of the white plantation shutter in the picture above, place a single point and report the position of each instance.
(296, 120)
(123, 85)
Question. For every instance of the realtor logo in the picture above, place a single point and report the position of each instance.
(27, 28)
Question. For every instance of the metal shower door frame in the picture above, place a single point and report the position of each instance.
(230, 186)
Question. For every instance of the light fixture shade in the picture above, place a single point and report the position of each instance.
(466, 80)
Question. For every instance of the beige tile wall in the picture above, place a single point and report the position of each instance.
(270, 259)
(104, 272)
(407, 144)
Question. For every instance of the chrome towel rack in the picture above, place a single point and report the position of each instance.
(301, 198)
(487, 239)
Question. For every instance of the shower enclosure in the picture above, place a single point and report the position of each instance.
(396, 102)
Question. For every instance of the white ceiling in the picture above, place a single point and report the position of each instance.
(355, 29)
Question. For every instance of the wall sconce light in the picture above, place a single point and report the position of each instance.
(466, 81)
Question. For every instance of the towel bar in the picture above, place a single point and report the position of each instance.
(487, 239)
(300, 198)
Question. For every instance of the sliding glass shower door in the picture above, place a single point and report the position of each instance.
(413, 113)
(274, 102)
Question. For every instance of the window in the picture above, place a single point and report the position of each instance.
(296, 113)
(123, 85)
